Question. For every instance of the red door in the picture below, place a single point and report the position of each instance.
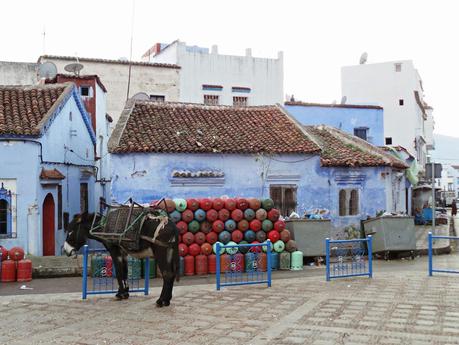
(48, 226)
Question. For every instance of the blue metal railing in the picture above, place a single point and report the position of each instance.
(430, 238)
(104, 280)
(349, 259)
(235, 274)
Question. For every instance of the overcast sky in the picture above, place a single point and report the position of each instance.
(317, 37)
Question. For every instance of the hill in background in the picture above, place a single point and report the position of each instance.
(446, 149)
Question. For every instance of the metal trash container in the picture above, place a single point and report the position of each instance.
(392, 234)
(310, 235)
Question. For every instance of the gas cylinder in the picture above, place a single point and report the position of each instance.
(211, 237)
(182, 226)
(108, 263)
(237, 262)
(285, 236)
(205, 204)
(284, 261)
(212, 215)
(189, 265)
(212, 263)
(194, 249)
(8, 271)
(218, 226)
(237, 236)
(218, 204)
(200, 238)
(97, 266)
(206, 248)
(181, 266)
(24, 271)
(274, 260)
(254, 204)
(273, 236)
(225, 263)
(16, 253)
(279, 225)
(297, 260)
(230, 204)
(262, 262)
(192, 204)
(250, 262)
(201, 264)
(223, 214)
(134, 267)
(188, 238)
(205, 227)
(3, 253)
(273, 215)
(182, 249)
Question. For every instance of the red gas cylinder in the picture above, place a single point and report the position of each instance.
(200, 237)
(182, 249)
(192, 204)
(254, 204)
(218, 204)
(170, 205)
(237, 236)
(212, 263)
(261, 214)
(243, 225)
(225, 263)
(108, 263)
(242, 204)
(8, 271)
(187, 216)
(201, 264)
(273, 215)
(255, 225)
(285, 236)
(262, 261)
(237, 262)
(223, 214)
(291, 246)
(218, 226)
(230, 204)
(188, 265)
(237, 215)
(211, 237)
(194, 249)
(205, 227)
(188, 238)
(212, 215)
(205, 204)
(16, 253)
(24, 271)
(256, 249)
(206, 248)
(3, 253)
(182, 226)
(273, 236)
(279, 225)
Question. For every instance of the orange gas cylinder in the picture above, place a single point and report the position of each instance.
(8, 271)
(16, 253)
(225, 263)
(24, 271)
(212, 263)
(108, 263)
(262, 261)
(201, 264)
(188, 264)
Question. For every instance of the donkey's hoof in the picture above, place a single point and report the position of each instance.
(125, 295)
(119, 296)
(166, 303)
(160, 303)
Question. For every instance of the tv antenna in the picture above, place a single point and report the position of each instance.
(47, 70)
(141, 96)
(74, 67)
(363, 58)
(343, 100)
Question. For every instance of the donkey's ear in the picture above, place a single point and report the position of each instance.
(78, 218)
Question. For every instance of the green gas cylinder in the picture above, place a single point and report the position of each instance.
(297, 260)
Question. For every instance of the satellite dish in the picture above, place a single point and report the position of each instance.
(75, 68)
(47, 70)
(141, 96)
(363, 58)
(343, 100)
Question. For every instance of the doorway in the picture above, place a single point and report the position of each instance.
(48, 226)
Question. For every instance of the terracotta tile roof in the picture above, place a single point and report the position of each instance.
(24, 109)
(109, 61)
(358, 106)
(146, 126)
(51, 174)
(340, 149)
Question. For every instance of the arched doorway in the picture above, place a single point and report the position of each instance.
(48, 226)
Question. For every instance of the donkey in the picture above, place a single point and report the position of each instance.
(162, 245)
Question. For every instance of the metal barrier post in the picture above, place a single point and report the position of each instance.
(430, 252)
(217, 249)
(268, 262)
(147, 275)
(370, 256)
(327, 258)
(85, 272)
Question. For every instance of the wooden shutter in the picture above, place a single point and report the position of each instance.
(354, 202)
(342, 202)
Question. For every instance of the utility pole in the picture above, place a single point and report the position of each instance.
(433, 197)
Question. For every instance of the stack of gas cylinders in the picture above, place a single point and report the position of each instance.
(230, 221)
(14, 267)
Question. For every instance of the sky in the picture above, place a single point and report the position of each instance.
(317, 37)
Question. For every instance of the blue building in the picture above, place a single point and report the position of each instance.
(364, 121)
(47, 165)
(189, 150)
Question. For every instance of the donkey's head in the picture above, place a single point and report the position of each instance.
(77, 233)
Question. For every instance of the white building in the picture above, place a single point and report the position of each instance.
(212, 78)
(449, 182)
(397, 87)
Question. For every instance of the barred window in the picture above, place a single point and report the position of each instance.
(342, 202)
(354, 203)
(348, 202)
(211, 100)
(240, 101)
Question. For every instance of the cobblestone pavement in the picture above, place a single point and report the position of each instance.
(392, 308)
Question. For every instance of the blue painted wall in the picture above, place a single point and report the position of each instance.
(345, 119)
(69, 146)
(146, 177)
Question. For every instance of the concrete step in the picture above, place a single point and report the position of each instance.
(56, 266)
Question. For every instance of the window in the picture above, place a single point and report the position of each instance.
(212, 87)
(284, 197)
(240, 101)
(59, 207)
(70, 116)
(361, 132)
(348, 202)
(450, 187)
(157, 98)
(84, 197)
(400, 102)
(241, 89)
(84, 90)
(5, 212)
(398, 67)
(388, 140)
(211, 99)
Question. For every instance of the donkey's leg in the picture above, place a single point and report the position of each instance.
(160, 255)
(169, 276)
(117, 260)
(125, 293)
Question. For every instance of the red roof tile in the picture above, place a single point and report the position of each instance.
(24, 108)
(180, 128)
(54, 174)
(342, 149)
